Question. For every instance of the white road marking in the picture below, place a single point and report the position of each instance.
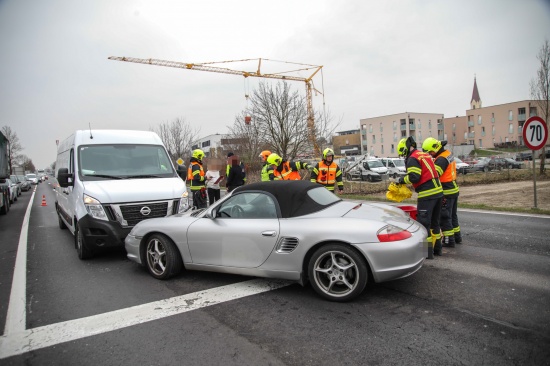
(18, 340)
(50, 335)
(16, 318)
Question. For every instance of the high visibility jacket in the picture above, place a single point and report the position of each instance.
(195, 174)
(421, 173)
(267, 172)
(327, 175)
(288, 170)
(445, 165)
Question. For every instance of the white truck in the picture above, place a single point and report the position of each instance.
(109, 180)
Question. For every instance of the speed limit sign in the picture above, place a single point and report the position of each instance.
(535, 133)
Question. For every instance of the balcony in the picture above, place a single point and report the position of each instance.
(412, 127)
(471, 135)
(470, 123)
(482, 133)
(521, 117)
(440, 126)
(403, 128)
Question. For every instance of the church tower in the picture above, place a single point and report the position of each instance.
(475, 103)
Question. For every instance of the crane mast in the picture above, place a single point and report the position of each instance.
(208, 66)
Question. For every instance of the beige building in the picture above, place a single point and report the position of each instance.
(380, 135)
(488, 127)
(347, 143)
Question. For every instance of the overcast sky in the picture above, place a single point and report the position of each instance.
(378, 57)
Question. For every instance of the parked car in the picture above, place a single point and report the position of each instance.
(15, 180)
(25, 184)
(396, 166)
(360, 173)
(462, 167)
(489, 164)
(512, 164)
(522, 156)
(294, 230)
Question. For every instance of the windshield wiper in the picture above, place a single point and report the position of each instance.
(142, 176)
(103, 176)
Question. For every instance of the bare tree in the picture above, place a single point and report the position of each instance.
(245, 140)
(540, 90)
(178, 137)
(26, 163)
(14, 146)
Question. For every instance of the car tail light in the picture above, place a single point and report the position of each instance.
(392, 233)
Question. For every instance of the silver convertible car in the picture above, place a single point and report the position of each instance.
(294, 230)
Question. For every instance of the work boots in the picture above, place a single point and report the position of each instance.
(438, 247)
(458, 237)
(449, 241)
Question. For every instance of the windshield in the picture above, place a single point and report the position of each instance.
(458, 161)
(399, 162)
(322, 196)
(98, 162)
(375, 164)
(31, 175)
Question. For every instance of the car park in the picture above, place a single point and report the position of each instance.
(293, 230)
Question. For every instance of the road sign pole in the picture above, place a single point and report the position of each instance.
(534, 178)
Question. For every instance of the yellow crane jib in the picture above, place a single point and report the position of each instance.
(207, 66)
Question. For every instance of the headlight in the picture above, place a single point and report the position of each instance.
(184, 202)
(94, 208)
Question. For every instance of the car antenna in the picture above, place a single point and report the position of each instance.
(90, 125)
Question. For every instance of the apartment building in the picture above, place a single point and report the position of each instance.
(212, 145)
(380, 135)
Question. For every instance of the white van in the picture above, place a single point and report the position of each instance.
(396, 166)
(376, 166)
(109, 180)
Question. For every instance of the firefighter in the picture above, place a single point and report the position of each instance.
(421, 173)
(445, 165)
(267, 169)
(195, 174)
(284, 169)
(327, 172)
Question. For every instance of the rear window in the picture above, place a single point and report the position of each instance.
(322, 196)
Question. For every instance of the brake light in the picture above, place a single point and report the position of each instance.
(392, 233)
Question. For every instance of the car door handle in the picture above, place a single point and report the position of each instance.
(269, 233)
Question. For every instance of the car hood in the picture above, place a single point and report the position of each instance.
(133, 190)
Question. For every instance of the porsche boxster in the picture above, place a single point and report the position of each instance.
(294, 230)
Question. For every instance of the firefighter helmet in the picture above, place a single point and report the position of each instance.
(274, 159)
(404, 146)
(198, 154)
(327, 152)
(265, 154)
(431, 145)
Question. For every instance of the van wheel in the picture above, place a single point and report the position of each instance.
(81, 248)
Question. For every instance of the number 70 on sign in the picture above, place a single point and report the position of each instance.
(535, 133)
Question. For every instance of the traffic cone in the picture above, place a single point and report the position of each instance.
(44, 200)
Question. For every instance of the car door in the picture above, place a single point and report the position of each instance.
(242, 235)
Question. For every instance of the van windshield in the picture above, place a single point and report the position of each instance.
(399, 162)
(375, 164)
(99, 162)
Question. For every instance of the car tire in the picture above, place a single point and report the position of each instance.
(369, 178)
(337, 272)
(82, 249)
(5, 208)
(486, 169)
(510, 166)
(163, 259)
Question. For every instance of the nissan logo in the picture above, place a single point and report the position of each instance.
(145, 211)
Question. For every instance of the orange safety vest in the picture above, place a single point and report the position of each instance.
(327, 173)
(450, 173)
(196, 186)
(286, 173)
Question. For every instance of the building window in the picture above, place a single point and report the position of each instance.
(511, 128)
(419, 135)
(206, 143)
(381, 138)
(419, 124)
(394, 137)
(482, 131)
(532, 111)
(381, 128)
(479, 119)
(374, 139)
(392, 148)
(370, 128)
(454, 126)
(494, 130)
(382, 149)
(403, 134)
(492, 118)
(394, 125)
(429, 124)
(510, 116)
(480, 143)
(372, 150)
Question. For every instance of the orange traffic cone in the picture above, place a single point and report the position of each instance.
(44, 200)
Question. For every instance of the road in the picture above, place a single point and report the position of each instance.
(484, 302)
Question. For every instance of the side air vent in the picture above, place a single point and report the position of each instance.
(287, 245)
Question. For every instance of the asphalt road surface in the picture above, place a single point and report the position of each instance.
(482, 303)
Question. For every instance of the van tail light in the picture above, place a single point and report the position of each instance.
(392, 233)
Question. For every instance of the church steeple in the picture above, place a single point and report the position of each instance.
(476, 100)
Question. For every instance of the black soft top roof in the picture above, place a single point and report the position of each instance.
(290, 194)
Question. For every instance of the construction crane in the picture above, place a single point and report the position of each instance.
(207, 66)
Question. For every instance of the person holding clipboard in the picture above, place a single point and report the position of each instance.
(213, 179)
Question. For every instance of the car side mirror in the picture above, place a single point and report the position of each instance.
(64, 178)
(212, 214)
